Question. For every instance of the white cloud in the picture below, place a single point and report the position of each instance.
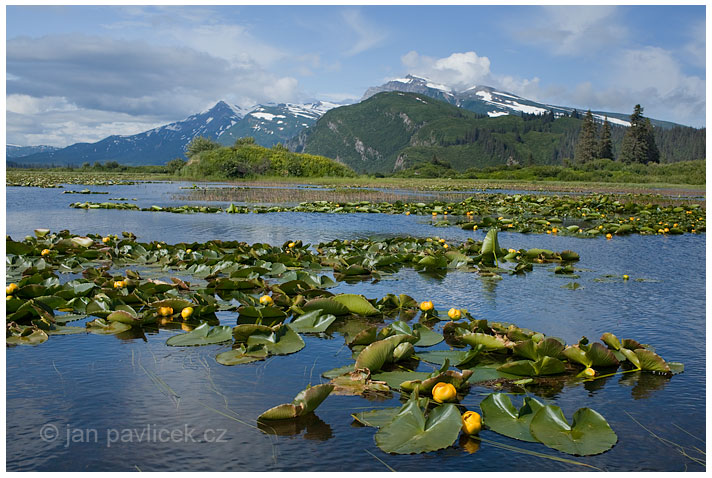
(367, 36)
(130, 78)
(573, 30)
(459, 70)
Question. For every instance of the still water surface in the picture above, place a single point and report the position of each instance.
(112, 402)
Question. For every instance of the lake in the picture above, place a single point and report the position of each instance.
(101, 403)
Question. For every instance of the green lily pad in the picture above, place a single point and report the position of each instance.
(456, 357)
(105, 327)
(242, 355)
(531, 368)
(305, 402)
(382, 416)
(329, 306)
(396, 377)
(588, 434)
(500, 416)
(279, 340)
(356, 304)
(375, 355)
(411, 431)
(489, 342)
(314, 321)
(36, 337)
(202, 335)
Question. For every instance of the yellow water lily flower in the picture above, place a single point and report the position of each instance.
(119, 284)
(105, 239)
(609, 236)
(165, 311)
(407, 213)
(626, 277)
(186, 312)
(45, 252)
(444, 392)
(471, 422)
(589, 372)
(474, 228)
(291, 244)
(266, 300)
(9, 290)
(426, 306)
(454, 313)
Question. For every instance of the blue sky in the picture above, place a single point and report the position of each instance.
(82, 73)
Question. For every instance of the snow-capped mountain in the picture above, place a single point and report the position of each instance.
(274, 123)
(155, 146)
(490, 101)
(17, 151)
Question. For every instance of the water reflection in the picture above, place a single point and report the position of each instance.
(314, 427)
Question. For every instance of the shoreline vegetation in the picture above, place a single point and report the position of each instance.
(685, 178)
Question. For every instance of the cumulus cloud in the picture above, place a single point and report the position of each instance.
(459, 70)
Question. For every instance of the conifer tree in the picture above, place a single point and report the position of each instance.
(605, 145)
(586, 147)
(638, 142)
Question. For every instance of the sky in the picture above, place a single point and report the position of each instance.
(81, 73)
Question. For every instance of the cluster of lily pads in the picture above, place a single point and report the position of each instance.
(279, 295)
(55, 179)
(581, 216)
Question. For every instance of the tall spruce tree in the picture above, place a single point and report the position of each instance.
(638, 144)
(605, 144)
(586, 147)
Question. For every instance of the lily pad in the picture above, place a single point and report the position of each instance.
(500, 416)
(588, 434)
(314, 321)
(202, 335)
(356, 304)
(242, 355)
(411, 431)
(105, 327)
(305, 402)
(279, 340)
(382, 416)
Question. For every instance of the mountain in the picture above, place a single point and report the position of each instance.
(156, 146)
(16, 151)
(275, 123)
(490, 101)
(393, 131)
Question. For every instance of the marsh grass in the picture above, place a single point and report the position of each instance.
(282, 195)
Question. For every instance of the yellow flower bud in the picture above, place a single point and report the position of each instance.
(426, 306)
(454, 313)
(187, 312)
(165, 311)
(444, 392)
(471, 423)
(589, 372)
(105, 239)
(266, 300)
(9, 290)
(45, 252)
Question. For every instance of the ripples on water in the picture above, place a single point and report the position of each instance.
(104, 382)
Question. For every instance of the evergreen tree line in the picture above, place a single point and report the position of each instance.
(639, 143)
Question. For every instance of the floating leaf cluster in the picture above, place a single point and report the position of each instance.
(119, 290)
(580, 216)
